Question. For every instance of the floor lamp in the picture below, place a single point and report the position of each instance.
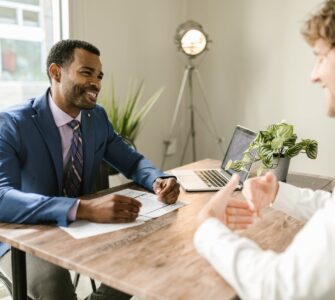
(192, 41)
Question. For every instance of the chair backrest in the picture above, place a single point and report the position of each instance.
(6, 283)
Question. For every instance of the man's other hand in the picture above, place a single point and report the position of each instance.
(238, 215)
(111, 208)
(217, 205)
(260, 191)
(167, 189)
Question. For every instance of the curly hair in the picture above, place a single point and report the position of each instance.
(62, 53)
(321, 25)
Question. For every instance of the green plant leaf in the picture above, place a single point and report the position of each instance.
(284, 130)
(294, 150)
(265, 150)
(290, 141)
(228, 165)
(277, 143)
(268, 162)
(311, 148)
(272, 128)
(149, 104)
(236, 165)
(126, 119)
(246, 158)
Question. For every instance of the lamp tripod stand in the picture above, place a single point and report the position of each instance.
(190, 70)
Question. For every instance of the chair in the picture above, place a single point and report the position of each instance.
(76, 281)
(8, 285)
(5, 281)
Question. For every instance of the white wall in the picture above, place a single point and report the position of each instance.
(136, 41)
(256, 72)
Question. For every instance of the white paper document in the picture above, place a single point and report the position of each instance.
(151, 208)
(84, 229)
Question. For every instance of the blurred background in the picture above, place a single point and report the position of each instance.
(256, 71)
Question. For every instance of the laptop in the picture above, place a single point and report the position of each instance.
(214, 179)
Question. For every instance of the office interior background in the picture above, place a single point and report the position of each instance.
(256, 71)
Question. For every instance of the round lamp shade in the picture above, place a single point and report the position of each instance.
(191, 39)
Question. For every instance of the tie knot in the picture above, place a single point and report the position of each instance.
(74, 124)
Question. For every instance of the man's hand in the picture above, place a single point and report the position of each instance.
(238, 214)
(260, 191)
(110, 208)
(228, 207)
(167, 189)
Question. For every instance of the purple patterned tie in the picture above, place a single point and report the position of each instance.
(74, 167)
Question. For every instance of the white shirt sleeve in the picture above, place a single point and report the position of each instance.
(300, 203)
(306, 270)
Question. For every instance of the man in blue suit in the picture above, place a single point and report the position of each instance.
(36, 148)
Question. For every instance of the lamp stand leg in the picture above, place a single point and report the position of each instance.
(192, 130)
(212, 126)
(175, 114)
(185, 147)
(188, 75)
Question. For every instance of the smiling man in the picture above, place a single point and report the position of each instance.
(50, 151)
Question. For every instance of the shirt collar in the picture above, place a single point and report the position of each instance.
(61, 118)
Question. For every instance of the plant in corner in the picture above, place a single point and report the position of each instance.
(126, 119)
(273, 145)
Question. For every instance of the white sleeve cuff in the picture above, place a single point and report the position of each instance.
(286, 198)
(208, 234)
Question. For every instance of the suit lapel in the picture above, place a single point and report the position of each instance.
(44, 121)
(87, 127)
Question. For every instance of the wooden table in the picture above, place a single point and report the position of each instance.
(156, 260)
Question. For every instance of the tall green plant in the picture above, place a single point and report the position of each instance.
(125, 115)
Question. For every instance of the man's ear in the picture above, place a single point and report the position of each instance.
(55, 72)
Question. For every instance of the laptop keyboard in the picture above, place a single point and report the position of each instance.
(213, 178)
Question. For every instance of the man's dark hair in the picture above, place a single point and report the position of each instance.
(62, 53)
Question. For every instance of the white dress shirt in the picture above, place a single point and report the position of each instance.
(305, 270)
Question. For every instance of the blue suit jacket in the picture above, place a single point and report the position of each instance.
(31, 162)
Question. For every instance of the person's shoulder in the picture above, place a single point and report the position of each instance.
(22, 110)
(17, 112)
(98, 109)
(98, 112)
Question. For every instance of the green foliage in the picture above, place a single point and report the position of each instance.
(277, 141)
(126, 118)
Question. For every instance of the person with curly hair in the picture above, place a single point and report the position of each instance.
(306, 269)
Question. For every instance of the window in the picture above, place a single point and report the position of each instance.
(28, 29)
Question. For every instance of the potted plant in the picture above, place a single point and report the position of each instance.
(126, 118)
(274, 147)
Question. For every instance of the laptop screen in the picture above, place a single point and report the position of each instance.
(240, 141)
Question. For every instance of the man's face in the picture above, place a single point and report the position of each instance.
(80, 82)
(324, 72)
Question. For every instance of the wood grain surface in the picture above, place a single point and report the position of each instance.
(156, 260)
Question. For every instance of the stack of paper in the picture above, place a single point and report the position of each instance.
(151, 208)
